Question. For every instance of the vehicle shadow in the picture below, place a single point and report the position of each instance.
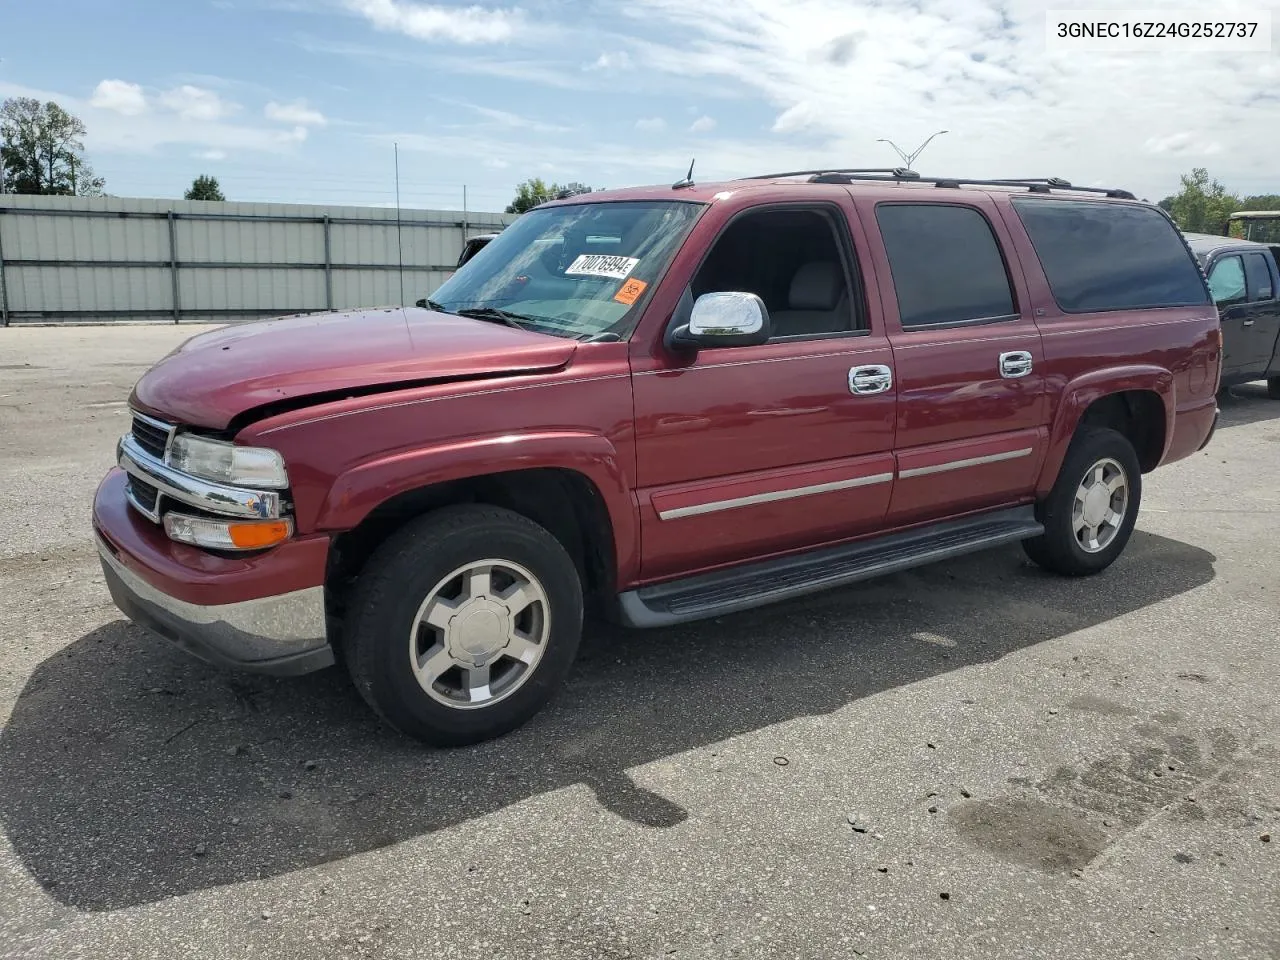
(130, 774)
(1246, 403)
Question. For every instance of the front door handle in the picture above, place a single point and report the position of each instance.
(1247, 323)
(874, 378)
(1015, 364)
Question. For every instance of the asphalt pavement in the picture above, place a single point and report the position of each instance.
(970, 760)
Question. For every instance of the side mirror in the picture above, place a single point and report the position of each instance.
(729, 319)
(421, 303)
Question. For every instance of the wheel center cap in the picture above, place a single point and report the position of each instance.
(478, 631)
(1096, 504)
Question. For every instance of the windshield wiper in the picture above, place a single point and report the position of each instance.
(493, 313)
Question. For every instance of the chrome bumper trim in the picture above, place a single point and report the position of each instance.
(194, 492)
(284, 634)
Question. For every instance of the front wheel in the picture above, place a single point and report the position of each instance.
(464, 624)
(1089, 514)
(1273, 388)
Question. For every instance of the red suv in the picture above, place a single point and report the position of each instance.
(663, 403)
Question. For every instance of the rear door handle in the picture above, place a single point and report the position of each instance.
(873, 378)
(1247, 323)
(1014, 364)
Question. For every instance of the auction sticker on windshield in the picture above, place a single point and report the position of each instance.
(602, 265)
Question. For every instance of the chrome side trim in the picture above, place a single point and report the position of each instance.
(282, 634)
(715, 506)
(961, 464)
(202, 494)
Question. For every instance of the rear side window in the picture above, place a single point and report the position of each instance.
(946, 265)
(1107, 256)
(1259, 277)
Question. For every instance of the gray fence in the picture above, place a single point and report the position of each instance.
(68, 259)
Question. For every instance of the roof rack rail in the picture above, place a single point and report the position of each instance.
(900, 174)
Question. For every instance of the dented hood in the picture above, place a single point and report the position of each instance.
(215, 376)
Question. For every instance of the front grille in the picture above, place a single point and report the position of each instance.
(151, 435)
(144, 496)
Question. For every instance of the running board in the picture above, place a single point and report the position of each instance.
(758, 584)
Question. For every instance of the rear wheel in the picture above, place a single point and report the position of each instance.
(1089, 514)
(464, 624)
(1273, 388)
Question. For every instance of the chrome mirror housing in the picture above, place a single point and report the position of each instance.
(728, 319)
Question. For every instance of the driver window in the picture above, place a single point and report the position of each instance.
(792, 261)
(1226, 281)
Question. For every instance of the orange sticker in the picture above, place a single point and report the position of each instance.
(630, 292)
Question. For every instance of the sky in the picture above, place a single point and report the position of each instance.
(302, 100)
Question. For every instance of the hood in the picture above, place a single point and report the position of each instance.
(215, 376)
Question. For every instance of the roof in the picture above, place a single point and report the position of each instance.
(1250, 214)
(884, 188)
(1204, 242)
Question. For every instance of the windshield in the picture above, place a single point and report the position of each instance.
(576, 271)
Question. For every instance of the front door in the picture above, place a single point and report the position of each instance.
(972, 412)
(751, 451)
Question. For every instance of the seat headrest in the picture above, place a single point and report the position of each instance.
(817, 286)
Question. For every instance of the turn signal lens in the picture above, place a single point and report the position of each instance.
(227, 534)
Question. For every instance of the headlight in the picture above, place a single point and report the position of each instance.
(227, 534)
(228, 463)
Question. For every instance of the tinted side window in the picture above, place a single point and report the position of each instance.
(1226, 281)
(945, 262)
(1258, 277)
(1106, 256)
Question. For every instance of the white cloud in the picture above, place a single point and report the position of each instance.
(113, 132)
(621, 60)
(651, 124)
(297, 113)
(703, 124)
(846, 72)
(120, 96)
(428, 21)
(802, 116)
(211, 155)
(505, 118)
(196, 103)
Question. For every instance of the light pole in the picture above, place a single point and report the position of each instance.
(910, 158)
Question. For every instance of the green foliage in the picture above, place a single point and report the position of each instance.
(42, 150)
(1202, 205)
(204, 187)
(533, 192)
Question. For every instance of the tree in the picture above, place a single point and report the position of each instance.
(1203, 205)
(533, 192)
(204, 187)
(42, 150)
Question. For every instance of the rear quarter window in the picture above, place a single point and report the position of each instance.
(1107, 256)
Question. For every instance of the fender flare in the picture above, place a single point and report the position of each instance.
(355, 493)
(1078, 394)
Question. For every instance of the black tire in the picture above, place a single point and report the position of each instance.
(398, 579)
(1058, 549)
(1273, 388)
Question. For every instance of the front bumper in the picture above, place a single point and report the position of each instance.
(262, 613)
(283, 635)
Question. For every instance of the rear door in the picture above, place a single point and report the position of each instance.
(971, 413)
(1264, 311)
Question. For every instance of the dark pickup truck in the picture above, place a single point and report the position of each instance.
(1245, 283)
